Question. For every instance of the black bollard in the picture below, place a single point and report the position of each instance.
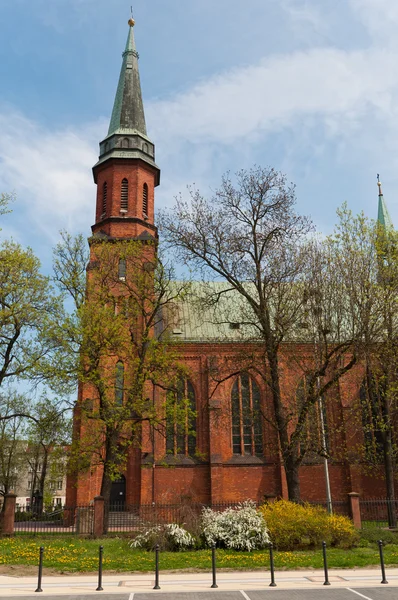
(383, 571)
(271, 565)
(325, 564)
(213, 565)
(157, 586)
(101, 551)
(40, 570)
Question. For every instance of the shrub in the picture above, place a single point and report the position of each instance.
(169, 537)
(241, 527)
(371, 535)
(297, 526)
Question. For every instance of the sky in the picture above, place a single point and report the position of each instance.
(309, 87)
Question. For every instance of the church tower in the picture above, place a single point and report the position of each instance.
(126, 176)
(126, 173)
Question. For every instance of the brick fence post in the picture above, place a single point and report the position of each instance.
(355, 509)
(98, 528)
(9, 514)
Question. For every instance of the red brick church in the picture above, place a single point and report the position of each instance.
(228, 459)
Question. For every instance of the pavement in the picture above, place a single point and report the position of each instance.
(248, 585)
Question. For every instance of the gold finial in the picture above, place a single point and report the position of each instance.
(131, 20)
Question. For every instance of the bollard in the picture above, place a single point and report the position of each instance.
(157, 586)
(40, 570)
(271, 564)
(101, 551)
(213, 565)
(383, 571)
(325, 564)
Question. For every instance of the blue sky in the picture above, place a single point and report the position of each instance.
(307, 86)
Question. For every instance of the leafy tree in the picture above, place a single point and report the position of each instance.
(12, 447)
(285, 289)
(28, 308)
(117, 345)
(48, 437)
(368, 263)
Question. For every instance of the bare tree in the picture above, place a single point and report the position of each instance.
(286, 289)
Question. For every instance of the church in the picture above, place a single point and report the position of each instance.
(228, 459)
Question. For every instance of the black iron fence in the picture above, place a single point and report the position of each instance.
(379, 512)
(127, 518)
(338, 507)
(120, 518)
(77, 519)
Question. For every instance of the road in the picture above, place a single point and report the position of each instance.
(371, 593)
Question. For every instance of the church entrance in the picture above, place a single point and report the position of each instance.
(118, 494)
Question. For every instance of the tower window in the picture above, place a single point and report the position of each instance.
(247, 435)
(119, 383)
(104, 197)
(124, 198)
(145, 200)
(122, 269)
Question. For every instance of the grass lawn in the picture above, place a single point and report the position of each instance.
(81, 555)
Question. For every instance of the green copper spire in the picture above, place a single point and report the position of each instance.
(383, 217)
(127, 135)
(128, 109)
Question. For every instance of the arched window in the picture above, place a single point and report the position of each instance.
(124, 196)
(119, 383)
(145, 200)
(247, 431)
(125, 143)
(122, 269)
(371, 396)
(104, 197)
(314, 437)
(181, 420)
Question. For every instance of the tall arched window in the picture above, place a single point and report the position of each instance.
(371, 396)
(124, 196)
(104, 197)
(314, 437)
(181, 420)
(145, 200)
(247, 431)
(119, 383)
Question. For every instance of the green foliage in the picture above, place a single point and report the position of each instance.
(371, 535)
(294, 526)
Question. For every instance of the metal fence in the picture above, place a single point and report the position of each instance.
(125, 518)
(76, 520)
(339, 507)
(379, 512)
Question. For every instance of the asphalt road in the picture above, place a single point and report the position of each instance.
(373, 593)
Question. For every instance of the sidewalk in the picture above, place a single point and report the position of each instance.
(124, 583)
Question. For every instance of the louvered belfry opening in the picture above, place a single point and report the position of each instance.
(124, 198)
(145, 200)
(104, 197)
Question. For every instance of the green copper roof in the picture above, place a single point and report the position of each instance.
(383, 216)
(128, 110)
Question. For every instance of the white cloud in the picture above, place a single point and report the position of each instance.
(271, 95)
(50, 171)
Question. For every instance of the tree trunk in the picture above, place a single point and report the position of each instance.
(106, 487)
(389, 474)
(290, 463)
(292, 468)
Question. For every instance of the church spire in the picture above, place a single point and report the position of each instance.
(128, 109)
(383, 217)
(127, 134)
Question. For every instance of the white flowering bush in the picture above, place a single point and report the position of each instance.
(169, 537)
(240, 527)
